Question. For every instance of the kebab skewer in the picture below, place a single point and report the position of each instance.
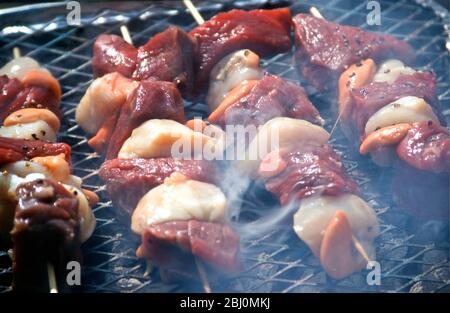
(304, 168)
(336, 249)
(387, 107)
(153, 99)
(379, 96)
(169, 196)
(36, 178)
(403, 127)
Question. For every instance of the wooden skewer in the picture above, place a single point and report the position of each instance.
(16, 52)
(50, 268)
(316, 13)
(51, 278)
(126, 34)
(148, 268)
(202, 272)
(335, 124)
(200, 268)
(194, 12)
(359, 247)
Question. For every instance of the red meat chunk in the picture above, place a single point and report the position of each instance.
(426, 147)
(151, 99)
(369, 99)
(325, 49)
(168, 56)
(46, 230)
(138, 176)
(271, 97)
(15, 96)
(310, 170)
(12, 149)
(263, 31)
(170, 244)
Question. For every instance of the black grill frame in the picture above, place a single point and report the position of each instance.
(410, 262)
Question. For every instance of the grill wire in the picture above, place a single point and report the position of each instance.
(413, 257)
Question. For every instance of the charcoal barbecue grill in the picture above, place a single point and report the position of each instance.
(414, 257)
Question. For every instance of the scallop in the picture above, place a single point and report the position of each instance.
(23, 168)
(280, 132)
(315, 214)
(86, 216)
(103, 98)
(19, 67)
(390, 70)
(9, 183)
(404, 110)
(37, 130)
(165, 138)
(52, 170)
(229, 72)
(179, 199)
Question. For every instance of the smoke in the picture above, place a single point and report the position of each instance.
(263, 214)
(234, 185)
(273, 218)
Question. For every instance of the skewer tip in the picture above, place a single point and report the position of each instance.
(335, 124)
(126, 34)
(16, 52)
(316, 13)
(203, 277)
(51, 278)
(359, 247)
(194, 12)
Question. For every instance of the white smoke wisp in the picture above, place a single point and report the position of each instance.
(238, 180)
(269, 217)
(278, 217)
(234, 185)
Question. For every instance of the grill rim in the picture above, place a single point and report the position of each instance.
(68, 111)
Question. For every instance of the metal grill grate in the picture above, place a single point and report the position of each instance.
(412, 258)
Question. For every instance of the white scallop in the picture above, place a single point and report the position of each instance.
(404, 110)
(315, 213)
(179, 199)
(164, 138)
(228, 73)
(9, 183)
(102, 99)
(18, 68)
(86, 217)
(390, 70)
(280, 132)
(23, 168)
(37, 130)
